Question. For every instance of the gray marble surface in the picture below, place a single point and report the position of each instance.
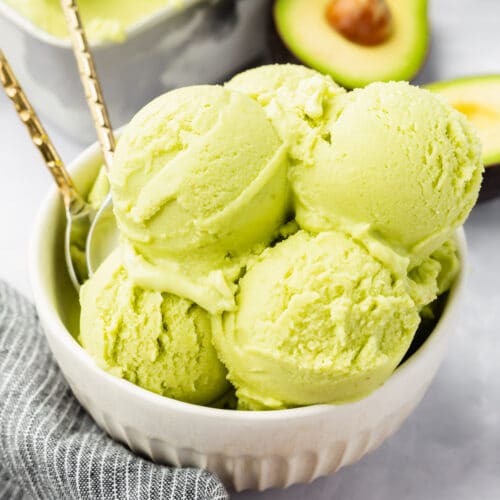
(449, 449)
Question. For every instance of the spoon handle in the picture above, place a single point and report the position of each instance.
(90, 80)
(38, 134)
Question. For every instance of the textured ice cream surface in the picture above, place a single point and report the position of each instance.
(300, 102)
(210, 279)
(434, 275)
(319, 320)
(156, 340)
(447, 256)
(423, 282)
(403, 166)
(199, 181)
(105, 20)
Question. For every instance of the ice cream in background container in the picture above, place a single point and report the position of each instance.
(141, 48)
(105, 20)
(297, 233)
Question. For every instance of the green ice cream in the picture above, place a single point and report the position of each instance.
(199, 182)
(105, 20)
(391, 161)
(319, 320)
(155, 340)
(321, 309)
(99, 190)
(447, 256)
(403, 166)
(434, 275)
(300, 102)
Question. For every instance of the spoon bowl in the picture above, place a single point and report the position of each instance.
(102, 236)
(78, 224)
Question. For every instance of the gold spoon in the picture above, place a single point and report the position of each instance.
(102, 235)
(79, 214)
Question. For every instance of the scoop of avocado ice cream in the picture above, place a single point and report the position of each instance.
(105, 20)
(319, 320)
(199, 181)
(156, 340)
(402, 166)
(300, 102)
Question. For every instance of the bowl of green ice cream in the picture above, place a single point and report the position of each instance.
(242, 324)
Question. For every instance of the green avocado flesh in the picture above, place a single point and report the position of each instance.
(304, 28)
(479, 99)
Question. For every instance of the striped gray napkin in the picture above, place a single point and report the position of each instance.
(49, 446)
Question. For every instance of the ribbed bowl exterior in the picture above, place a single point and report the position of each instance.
(246, 449)
(242, 472)
(261, 450)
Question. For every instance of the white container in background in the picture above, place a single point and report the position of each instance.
(205, 42)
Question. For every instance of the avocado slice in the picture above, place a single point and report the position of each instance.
(478, 98)
(306, 28)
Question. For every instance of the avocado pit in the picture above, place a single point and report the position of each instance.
(365, 22)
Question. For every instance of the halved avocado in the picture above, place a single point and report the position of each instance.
(478, 98)
(307, 29)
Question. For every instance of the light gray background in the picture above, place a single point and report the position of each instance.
(449, 449)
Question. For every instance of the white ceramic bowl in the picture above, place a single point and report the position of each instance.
(246, 449)
(206, 42)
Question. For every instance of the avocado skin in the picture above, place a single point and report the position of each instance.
(277, 50)
(490, 187)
